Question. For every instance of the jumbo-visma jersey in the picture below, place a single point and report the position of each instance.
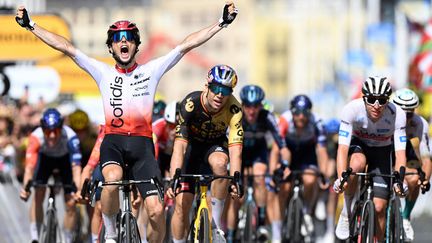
(128, 95)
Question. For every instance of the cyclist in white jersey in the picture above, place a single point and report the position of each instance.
(128, 91)
(368, 126)
(417, 153)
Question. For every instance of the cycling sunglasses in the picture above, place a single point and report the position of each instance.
(371, 100)
(48, 131)
(220, 89)
(297, 112)
(118, 36)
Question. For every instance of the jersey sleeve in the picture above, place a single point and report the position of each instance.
(95, 154)
(163, 64)
(321, 137)
(424, 141)
(187, 107)
(399, 136)
(32, 152)
(235, 135)
(274, 130)
(92, 66)
(283, 126)
(346, 127)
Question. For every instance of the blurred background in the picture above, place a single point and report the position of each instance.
(322, 48)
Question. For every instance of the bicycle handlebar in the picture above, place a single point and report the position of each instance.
(205, 179)
(422, 178)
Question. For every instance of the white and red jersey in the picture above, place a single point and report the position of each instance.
(68, 143)
(417, 127)
(355, 122)
(128, 95)
(164, 144)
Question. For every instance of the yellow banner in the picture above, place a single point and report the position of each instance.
(18, 44)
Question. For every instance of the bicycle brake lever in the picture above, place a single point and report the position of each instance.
(156, 182)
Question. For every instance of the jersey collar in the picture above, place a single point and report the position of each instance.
(129, 70)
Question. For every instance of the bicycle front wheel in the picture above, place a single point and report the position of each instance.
(394, 228)
(368, 223)
(204, 227)
(49, 231)
(248, 229)
(293, 221)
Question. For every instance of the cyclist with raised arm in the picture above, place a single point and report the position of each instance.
(257, 122)
(368, 126)
(201, 146)
(52, 147)
(306, 141)
(417, 153)
(128, 91)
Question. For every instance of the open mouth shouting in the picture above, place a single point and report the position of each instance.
(124, 52)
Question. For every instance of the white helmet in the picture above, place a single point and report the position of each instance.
(170, 112)
(376, 86)
(406, 99)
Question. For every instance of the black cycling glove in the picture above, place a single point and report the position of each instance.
(25, 21)
(227, 17)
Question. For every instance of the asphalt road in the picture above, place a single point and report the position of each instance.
(14, 223)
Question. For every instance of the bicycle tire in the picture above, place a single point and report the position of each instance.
(293, 221)
(169, 213)
(49, 233)
(368, 223)
(102, 233)
(396, 233)
(77, 235)
(204, 227)
(248, 230)
(354, 221)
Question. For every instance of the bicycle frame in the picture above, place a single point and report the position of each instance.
(202, 204)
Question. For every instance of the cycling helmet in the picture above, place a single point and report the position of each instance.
(78, 120)
(301, 103)
(251, 95)
(170, 112)
(332, 126)
(51, 119)
(406, 99)
(376, 86)
(123, 25)
(223, 75)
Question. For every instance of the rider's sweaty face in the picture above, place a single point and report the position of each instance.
(251, 112)
(124, 49)
(52, 136)
(216, 101)
(375, 111)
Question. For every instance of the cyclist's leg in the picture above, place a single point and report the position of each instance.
(232, 217)
(144, 166)
(65, 170)
(96, 222)
(218, 162)
(413, 189)
(380, 162)
(142, 222)
(260, 192)
(36, 212)
(41, 174)
(180, 218)
(111, 161)
(357, 162)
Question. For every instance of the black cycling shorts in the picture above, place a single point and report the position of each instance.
(379, 160)
(196, 161)
(256, 154)
(135, 154)
(45, 167)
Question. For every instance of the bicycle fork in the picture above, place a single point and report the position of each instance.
(203, 204)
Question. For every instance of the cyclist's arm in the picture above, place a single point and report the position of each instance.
(235, 138)
(75, 158)
(51, 39)
(342, 159)
(321, 149)
(400, 138)
(32, 156)
(178, 154)
(425, 151)
(279, 141)
(200, 37)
